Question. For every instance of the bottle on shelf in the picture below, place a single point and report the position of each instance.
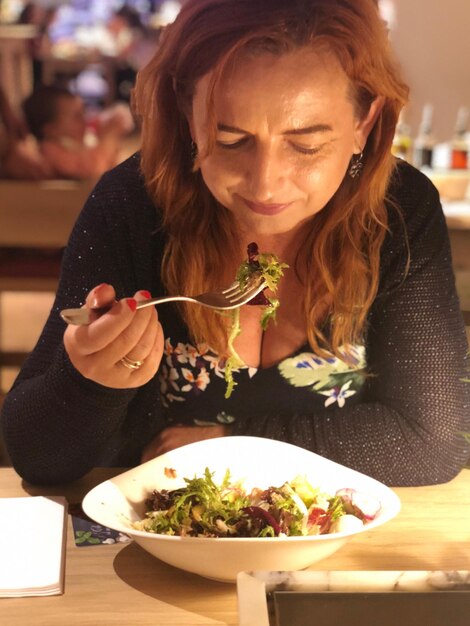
(459, 144)
(402, 142)
(425, 141)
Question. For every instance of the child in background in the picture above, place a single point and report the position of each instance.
(57, 119)
(19, 154)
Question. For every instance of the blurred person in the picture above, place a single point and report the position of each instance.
(42, 18)
(132, 44)
(19, 154)
(268, 122)
(57, 118)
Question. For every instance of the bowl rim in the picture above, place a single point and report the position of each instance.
(393, 504)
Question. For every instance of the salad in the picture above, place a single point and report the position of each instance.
(203, 508)
(259, 265)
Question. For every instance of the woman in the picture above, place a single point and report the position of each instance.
(267, 121)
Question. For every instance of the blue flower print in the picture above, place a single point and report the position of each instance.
(333, 377)
(338, 395)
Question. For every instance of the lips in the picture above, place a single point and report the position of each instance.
(266, 209)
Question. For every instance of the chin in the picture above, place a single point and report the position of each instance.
(266, 227)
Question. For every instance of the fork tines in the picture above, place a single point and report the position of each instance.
(234, 288)
(247, 293)
(252, 283)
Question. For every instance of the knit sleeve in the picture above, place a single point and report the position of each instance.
(409, 428)
(57, 425)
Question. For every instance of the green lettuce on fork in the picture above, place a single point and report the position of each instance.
(262, 266)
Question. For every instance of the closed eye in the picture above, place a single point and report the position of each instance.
(238, 143)
(304, 150)
(232, 145)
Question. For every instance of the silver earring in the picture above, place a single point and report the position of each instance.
(356, 165)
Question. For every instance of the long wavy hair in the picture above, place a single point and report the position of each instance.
(338, 261)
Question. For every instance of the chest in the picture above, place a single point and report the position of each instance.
(263, 348)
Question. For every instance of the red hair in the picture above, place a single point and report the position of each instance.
(338, 262)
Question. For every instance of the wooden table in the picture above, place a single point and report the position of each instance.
(123, 585)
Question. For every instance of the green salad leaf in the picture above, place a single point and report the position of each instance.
(258, 266)
(203, 508)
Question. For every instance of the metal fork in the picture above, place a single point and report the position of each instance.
(230, 298)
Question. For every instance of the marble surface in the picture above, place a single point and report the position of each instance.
(253, 588)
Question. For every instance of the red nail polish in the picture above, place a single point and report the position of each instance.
(132, 304)
(96, 291)
(98, 288)
(145, 294)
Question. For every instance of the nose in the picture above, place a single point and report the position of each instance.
(266, 173)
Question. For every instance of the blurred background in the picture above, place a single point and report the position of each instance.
(429, 36)
(94, 47)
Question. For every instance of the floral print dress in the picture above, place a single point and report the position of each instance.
(192, 384)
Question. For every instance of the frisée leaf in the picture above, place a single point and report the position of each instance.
(258, 266)
(203, 508)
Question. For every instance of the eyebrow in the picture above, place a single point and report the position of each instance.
(307, 130)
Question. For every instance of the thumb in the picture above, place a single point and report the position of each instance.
(101, 296)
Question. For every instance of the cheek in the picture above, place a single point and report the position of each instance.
(220, 173)
(71, 127)
(323, 177)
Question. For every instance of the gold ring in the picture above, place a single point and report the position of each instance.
(130, 364)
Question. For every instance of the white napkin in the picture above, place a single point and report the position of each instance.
(32, 546)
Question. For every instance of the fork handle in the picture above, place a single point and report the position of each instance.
(82, 316)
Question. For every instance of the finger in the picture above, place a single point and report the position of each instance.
(101, 369)
(151, 363)
(136, 340)
(100, 299)
(145, 342)
(101, 296)
(102, 332)
(144, 345)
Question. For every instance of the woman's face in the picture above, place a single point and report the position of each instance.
(286, 131)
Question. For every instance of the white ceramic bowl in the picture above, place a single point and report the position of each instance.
(116, 503)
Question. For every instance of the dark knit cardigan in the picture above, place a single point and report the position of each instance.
(404, 426)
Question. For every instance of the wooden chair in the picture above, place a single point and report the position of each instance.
(35, 217)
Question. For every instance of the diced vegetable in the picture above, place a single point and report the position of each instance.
(363, 506)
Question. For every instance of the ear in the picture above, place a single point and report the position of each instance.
(365, 125)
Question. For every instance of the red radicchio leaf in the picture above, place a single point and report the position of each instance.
(252, 252)
(319, 517)
(256, 512)
(260, 299)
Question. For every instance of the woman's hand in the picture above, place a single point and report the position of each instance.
(122, 335)
(177, 436)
